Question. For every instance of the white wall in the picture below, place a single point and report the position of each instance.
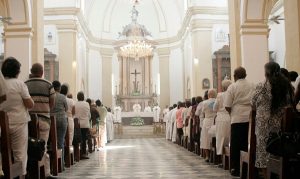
(116, 72)
(95, 75)
(188, 63)
(277, 39)
(176, 77)
(60, 3)
(155, 72)
(81, 64)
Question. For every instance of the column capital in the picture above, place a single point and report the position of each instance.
(254, 29)
(106, 52)
(26, 32)
(163, 52)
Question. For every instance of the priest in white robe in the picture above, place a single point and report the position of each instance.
(147, 109)
(174, 124)
(136, 108)
(117, 114)
(109, 125)
(168, 124)
(156, 113)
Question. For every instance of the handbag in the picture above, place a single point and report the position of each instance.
(36, 149)
(283, 144)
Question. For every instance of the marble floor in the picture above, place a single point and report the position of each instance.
(144, 158)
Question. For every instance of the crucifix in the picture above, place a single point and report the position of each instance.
(135, 83)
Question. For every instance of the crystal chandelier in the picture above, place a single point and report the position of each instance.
(136, 49)
(135, 43)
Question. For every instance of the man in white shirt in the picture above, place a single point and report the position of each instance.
(237, 103)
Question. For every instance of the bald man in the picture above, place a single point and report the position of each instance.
(43, 95)
(237, 103)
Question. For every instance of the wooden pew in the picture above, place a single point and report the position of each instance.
(226, 158)
(36, 169)
(10, 168)
(249, 157)
(69, 150)
(76, 145)
(278, 165)
(213, 152)
(55, 154)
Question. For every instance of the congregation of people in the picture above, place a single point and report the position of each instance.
(20, 100)
(223, 118)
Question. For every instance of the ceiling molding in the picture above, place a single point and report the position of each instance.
(187, 25)
(161, 17)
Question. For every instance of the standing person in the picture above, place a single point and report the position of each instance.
(167, 118)
(197, 122)
(16, 106)
(117, 113)
(174, 121)
(102, 124)
(109, 125)
(165, 111)
(156, 113)
(269, 100)
(208, 115)
(2, 89)
(179, 121)
(237, 103)
(222, 120)
(59, 111)
(93, 123)
(70, 112)
(43, 95)
(82, 112)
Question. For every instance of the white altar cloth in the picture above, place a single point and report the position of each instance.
(137, 114)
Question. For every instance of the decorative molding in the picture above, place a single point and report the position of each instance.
(171, 42)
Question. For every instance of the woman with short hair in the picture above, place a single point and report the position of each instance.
(222, 120)
(16, 106)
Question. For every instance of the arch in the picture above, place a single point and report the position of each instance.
(256, 11)
(19, 10)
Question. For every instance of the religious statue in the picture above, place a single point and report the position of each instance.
(156, 113)
(147, 109)
(137, 108)
(134, 14)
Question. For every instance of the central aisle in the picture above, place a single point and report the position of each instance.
(144, 158)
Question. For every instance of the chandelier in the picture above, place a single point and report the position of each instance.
(134, 42)
(136, 49)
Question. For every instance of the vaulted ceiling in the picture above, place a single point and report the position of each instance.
(163, 18)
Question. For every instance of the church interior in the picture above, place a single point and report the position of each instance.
(140, 57)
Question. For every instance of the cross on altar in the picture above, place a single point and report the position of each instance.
(135, 81)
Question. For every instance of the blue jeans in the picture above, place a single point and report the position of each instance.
(61, 129)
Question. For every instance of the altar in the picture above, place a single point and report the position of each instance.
(128, 116)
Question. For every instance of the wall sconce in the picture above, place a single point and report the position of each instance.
(196, 61)
(50, 36)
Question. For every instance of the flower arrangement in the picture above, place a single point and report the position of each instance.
(137, 121)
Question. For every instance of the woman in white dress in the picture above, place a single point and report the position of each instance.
(222, 120)
(208, 114)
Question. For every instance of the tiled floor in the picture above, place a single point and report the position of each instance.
(144, 158)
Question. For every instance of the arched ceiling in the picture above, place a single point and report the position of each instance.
(107, 17)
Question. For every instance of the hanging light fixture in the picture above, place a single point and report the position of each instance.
(136, 44)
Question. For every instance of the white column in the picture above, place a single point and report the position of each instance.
(18, 44)
(255, 53)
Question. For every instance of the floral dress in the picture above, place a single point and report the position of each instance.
(265, 121)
